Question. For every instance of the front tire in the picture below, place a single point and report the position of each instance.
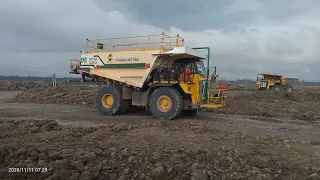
(166, 103)
(278, 87)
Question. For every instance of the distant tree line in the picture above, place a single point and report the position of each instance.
(48, 79)
(32, 78)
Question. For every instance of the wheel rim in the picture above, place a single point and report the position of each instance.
(164, 103)
(107, 100)
(277, 89)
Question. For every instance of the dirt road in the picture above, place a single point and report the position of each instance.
(84, 116)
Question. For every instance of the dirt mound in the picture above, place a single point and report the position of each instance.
(64, 93)
(301, 104)
(274, 96)
(307, 95)
(16, 85)
(149, 151)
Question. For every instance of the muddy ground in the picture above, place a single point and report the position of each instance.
(303, 104)
(60, 130)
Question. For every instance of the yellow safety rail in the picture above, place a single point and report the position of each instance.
(159, 42)
(216, 95)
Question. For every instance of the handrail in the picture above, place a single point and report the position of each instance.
(160, 42)
(127, 37)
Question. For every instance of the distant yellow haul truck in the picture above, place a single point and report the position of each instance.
(154, 72)
(277, 82)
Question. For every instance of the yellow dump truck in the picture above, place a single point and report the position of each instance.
(267, 81)
(154, 72)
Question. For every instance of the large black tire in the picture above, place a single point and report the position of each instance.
(174, 110)
(118, 104)
(277, 87)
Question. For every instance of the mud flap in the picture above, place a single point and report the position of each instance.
(141, 98)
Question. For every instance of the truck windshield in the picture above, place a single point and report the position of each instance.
(260, 77)
(200, 67)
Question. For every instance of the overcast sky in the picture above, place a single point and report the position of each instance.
(38, 37)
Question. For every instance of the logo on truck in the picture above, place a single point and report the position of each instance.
(109, 57)
(84, 59)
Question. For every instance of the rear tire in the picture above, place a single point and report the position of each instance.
(109, 100)
(166, 103)
(289, 89)
(277, 87)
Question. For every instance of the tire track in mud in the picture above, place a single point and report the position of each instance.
(86, 116)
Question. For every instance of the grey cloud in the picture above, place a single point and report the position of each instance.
(24, 30)
(247, 67)
(23, 63)
(246, 37)
(283, 47)
(178, 13)
(222, 14)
